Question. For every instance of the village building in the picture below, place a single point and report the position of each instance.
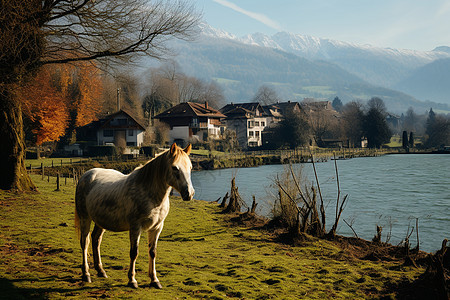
(192, 122)
(313, 105)
(248, 120)
(119, 129)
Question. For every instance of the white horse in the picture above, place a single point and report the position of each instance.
(136, 202)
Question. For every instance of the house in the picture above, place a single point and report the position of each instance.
(275, 112)
(119, 129)
(192, 122)
(248, 120)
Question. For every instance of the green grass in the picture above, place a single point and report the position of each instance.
(396, 141)
(56, 161)
(206, 152)
(199, 256)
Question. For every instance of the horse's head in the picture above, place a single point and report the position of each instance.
(180, 171)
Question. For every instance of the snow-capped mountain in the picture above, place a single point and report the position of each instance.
(385, 67)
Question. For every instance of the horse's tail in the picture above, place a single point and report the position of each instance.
(77, 224)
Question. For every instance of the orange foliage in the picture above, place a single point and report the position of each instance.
(90, 89)
(45, 107)
(59, 93)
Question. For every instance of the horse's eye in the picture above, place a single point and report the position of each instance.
(175, 168)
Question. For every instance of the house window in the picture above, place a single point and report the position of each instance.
(256, 123)
(108, 133)
(257, 134)
(263, 123)
(130, 132)
(250, 133)
(250, 124)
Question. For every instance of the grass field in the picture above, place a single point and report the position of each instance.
(199, 256)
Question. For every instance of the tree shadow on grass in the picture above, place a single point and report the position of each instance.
(10, 291)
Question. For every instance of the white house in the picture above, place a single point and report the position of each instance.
(248, 120)
(191, 122)
(119, 129)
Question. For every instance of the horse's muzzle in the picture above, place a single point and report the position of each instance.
(188, 194)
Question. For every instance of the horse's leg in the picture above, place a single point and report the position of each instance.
(96, 236)
(135, 235)
(85, 225)
(153, 236)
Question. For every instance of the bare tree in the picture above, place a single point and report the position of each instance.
(352, 122)
(35, 33)
(265, 95)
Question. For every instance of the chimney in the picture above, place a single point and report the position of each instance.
(118, 99)
(206, 104)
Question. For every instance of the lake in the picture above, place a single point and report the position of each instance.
(390, 191)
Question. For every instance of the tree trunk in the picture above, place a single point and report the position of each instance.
(14, 175)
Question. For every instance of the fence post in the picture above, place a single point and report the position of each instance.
(42, 170)
(57, 182)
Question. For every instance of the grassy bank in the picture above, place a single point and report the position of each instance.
(199, 256)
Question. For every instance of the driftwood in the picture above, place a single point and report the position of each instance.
(224, 201)
(236, 201)
(254, 204)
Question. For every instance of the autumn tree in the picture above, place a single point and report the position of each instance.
(82, 87)
(34, 33)
(44, 109)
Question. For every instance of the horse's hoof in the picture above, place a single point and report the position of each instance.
(102, 274)
(86, 278)
(156, 285)
(133, 284)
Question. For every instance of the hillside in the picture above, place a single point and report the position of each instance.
(430, 82)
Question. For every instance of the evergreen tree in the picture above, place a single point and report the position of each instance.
(411, 140)
(405, 142)
(337, 104)
(292, 131)
(376, 128)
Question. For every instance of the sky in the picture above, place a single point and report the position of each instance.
(403, 24)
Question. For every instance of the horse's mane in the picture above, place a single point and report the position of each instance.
(154, 172)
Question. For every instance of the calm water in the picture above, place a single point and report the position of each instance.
(388, 190)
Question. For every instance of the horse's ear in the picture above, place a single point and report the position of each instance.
(188, 149)
(173, 148)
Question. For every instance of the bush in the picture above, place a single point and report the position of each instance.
(95, 151)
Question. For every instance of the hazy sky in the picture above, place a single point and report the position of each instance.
(404, 24)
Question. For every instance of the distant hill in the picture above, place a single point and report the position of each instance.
(309, 67)
(430, 82)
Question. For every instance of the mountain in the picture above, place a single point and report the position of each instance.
(380, 66)
(298, 66)
(430, 82)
